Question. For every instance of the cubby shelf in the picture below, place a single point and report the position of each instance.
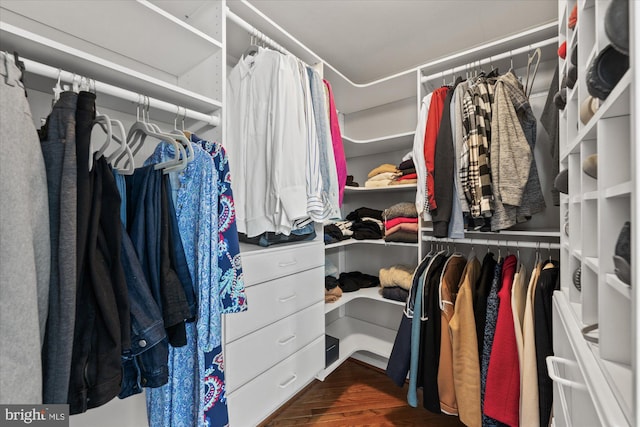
(618, 285)
(592, 263)
(368, 293)
(621, 190)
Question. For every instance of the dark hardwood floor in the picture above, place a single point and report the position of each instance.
(356, 394)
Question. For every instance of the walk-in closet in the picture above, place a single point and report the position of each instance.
(210, 208)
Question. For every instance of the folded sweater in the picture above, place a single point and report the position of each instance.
(385, 167)
(403, 209)
(402, 236)
(411, 228)
(399, 220)
(396, 275)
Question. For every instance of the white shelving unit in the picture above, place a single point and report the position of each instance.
(596, 210)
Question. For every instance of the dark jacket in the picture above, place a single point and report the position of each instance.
(543, 326)
(482, 289)
(102, 327)
(430, 337)
(443, 172)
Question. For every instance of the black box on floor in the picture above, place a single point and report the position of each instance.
(332, 349)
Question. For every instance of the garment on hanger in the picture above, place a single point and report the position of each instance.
(482, 291)
(436, 109)
(466, 364)
(449, 281)
(59, 151)
(26, 274)
(502, 392)
(489, 331)
(336, 138)
(543, 319)
(418, 158)
(529, 400)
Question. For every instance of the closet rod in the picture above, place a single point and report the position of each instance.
(118, 92)
(255, 32)
(505, 55)
(498, 243)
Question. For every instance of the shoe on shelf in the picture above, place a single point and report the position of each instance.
(616, 25)
(590, 166)
(574, 55)
(605, 71)
(588, 108)
(622, 257)
(561, 182)
(572, 76)
(576, 279)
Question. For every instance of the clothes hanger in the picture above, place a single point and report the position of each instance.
(180, 161)
(253, 48)
(535, 57)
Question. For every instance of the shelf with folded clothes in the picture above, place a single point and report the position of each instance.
(368, 293)
(365, 147)
(350, 242)
(357, 335)
(617, 104)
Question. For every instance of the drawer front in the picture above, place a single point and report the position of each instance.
(256, 400)
(265, 265)
(273, 343)
(275, 300)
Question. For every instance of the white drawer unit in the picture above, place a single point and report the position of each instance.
(273, 343)
(271, 301)
(254, 401)
(267, 264)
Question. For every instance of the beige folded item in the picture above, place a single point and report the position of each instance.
(404, 181)
(372, 184)
(384, 175)
(333, 295)
(396, 275)
(385, 167)
(588, 108)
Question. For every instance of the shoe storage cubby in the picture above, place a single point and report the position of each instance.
(600, 361)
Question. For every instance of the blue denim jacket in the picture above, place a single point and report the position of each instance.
(145, 361)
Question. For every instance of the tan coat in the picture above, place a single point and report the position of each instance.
(449, 281)
(465, 360)
(529, 408)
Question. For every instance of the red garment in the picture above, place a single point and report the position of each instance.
(338, 148)
(502, 392)
(573, 18)
(408, 176)
(430, 136)
(562, 50)
(403, 226)
(399, 220)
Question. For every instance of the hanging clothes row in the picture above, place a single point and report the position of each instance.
(127, 284)
(473, 153)
(284, 142)
(475, 338)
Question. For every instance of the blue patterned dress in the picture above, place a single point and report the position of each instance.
(196, 380)
(232, 293)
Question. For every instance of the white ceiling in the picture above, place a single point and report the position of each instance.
(367, 40)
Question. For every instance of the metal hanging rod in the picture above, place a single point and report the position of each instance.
(256, 33)
(118, 92)
(550, 26)
(498, 243)
(488, 60)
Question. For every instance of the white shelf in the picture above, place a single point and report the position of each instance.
(577, 253)
(617, 104)
(350, 242)
(389, 188)
(365, 147)
(357, 335)
(119, 69)
(592, 263)
(618, 285)
(565, 246)
(591, 195)
(368, 293)
(576, 199)
(620, 190)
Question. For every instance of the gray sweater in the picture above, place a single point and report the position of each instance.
(516, 186)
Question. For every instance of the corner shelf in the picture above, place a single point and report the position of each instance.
(620, 190)
(357, 335)
(368, 293)
(350, 242)
(365, 147)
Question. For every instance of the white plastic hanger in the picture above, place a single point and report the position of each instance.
(537, 54)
